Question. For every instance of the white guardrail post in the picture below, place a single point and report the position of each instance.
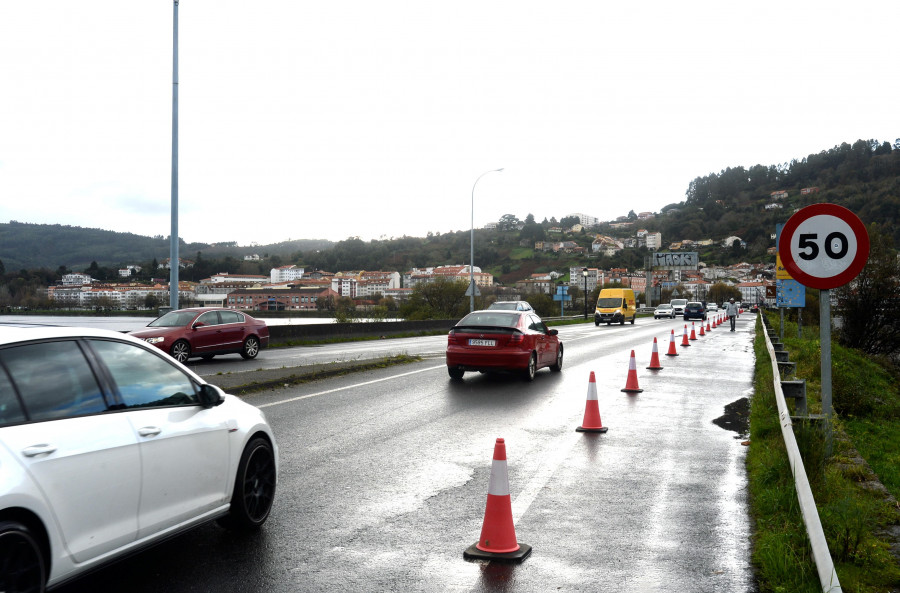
(824, 566)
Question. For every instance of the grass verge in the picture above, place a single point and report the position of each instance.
(855, 515)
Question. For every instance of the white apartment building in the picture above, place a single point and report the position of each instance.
(76, 279)
(586, 220)
(226, 278)
(286, 274)
(654, 241)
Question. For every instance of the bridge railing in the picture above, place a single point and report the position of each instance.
(828, 578)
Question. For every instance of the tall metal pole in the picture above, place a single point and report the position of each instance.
(173, 238)
(472, 243)
(584, 272)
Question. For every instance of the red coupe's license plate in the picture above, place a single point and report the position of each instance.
(482, 342)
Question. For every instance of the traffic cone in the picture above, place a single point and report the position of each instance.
(684, 338)
(701, 329)
(654, 359)
(672, 351)
(693, 335)
(592, 422)
(631, 384)
(498, 534)
(708, 326)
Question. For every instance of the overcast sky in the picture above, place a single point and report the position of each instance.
(331, 119)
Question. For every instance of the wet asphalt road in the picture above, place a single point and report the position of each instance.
(384, 478)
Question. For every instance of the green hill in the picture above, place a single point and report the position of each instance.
(864, 177)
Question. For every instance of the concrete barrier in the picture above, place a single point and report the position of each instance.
(279, 334)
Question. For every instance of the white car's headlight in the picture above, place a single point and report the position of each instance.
(155, 340)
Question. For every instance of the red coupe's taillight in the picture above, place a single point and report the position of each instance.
(451, 339)
(516, 339)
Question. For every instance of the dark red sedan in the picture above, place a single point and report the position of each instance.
(206, 332)
(494, 340)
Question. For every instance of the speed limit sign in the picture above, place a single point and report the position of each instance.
(824, 246)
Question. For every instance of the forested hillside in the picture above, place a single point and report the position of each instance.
(34, 246)
(864, 177)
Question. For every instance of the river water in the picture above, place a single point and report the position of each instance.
(127, 324)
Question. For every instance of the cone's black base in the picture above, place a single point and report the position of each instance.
(654, 368)
(473, 553)
(632, 390)
(583, 429)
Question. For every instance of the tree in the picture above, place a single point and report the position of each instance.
(867, 305)
(721, 292)
(439, 299)
(544, 305)
(151, 301)
(508, 222)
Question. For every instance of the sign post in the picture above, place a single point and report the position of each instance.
(824, 246)
(562, 295)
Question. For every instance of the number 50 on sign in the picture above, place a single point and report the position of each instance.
(824, 246)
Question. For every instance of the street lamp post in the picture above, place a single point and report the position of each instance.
(584, 272)
(472, 243)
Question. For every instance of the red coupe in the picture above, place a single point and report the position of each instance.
(493, 340)
(205, 332)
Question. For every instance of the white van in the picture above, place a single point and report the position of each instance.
(678, 305)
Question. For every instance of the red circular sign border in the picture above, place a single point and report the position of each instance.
(852, 271)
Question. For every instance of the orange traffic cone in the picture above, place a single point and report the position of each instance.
(654, 358)
(693, 335)
(672, 351)
(684, 338)
(708, 326)
(631, 384)
(498, 534)
(701, 330)
(592, 422)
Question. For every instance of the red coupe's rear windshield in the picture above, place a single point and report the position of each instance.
(489, 319)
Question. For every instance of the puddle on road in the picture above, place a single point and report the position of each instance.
(736, 417)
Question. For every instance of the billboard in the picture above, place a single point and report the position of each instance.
(675, 261)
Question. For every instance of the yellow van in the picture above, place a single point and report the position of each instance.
(615, 305)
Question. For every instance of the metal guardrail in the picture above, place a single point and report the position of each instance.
(824, 565)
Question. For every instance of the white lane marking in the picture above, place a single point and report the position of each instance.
(556, 454)
(373, 381)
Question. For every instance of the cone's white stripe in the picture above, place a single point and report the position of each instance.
(631, 364)
(499, 485)
(592, 391)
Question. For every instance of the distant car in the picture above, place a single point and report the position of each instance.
(511, 306)
(754, 308)
(497, 340)
(108, 446)
(664, 310)
(712, 308)
(678, 305)
(694, 310)
(206, 332)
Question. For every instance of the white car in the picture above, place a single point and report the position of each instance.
(664, 310)
(712, 308)
(108, 445)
